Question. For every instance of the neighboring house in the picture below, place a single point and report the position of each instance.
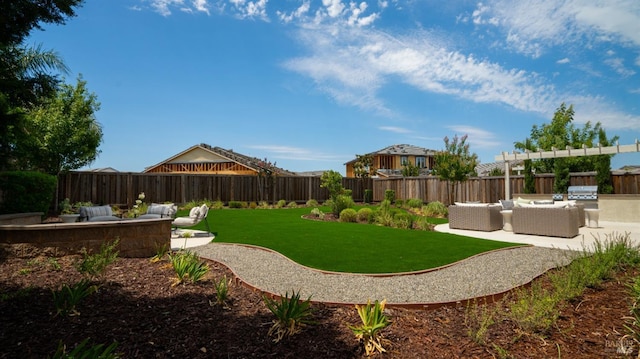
(484, 169)
(203, 158)
(388, 161)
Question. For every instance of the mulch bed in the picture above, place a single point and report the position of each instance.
(139, 306)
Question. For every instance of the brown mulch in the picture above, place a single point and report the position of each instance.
(139, 306)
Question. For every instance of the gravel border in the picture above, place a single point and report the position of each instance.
(490, 273)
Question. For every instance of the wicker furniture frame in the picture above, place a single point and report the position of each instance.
(553, 222)
(476, 218)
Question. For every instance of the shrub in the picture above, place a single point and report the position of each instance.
(364, 214)
(264, 205)
(84, 351)
(414, 203)
(188, 266)
(236, 204)
(435, 209)
(316, 212)
(312, 203)
(25, 192)
(222, 290)
(253, 205)
(390, 195)
(403, 220)
(328, 203)
(368, 196)
(218, 204)
(422, 223)
(348, 215)
(342, 202)
(332, 181)
(384, 219)
(281, 203)
(291, 315)
(385, 206)
(95, 265)
(292, 204)
(399, 203)
(373, 321)
(68, 297)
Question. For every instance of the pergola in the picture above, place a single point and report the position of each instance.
(556, 153)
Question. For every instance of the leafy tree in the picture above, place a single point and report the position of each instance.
(562, 133)
(19, 17)
(65, 134)
(332, 181)
(529, 179)
(363, 167)
(24, 76)
(455, 164)
(410, 170)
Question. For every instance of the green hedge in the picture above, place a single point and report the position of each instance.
(25, 192)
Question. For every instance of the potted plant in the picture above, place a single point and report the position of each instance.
(68, 213)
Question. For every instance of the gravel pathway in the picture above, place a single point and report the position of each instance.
(486, 274)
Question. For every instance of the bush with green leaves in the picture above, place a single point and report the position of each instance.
(422, 223)
(291, 315)
(368, 196)
(373, 320)
(403, 220)
(435, 209)
(188, 267)
(26, 192)
(390, 195)
(83, 350)
(237, 204)
(342, 202)
(332, 181)
(94, 265)
(292, 204)
(312, 203)
(413, 203)
(348, 215)
(264, 205)
(365, 214)
(316, 212)
(67, 298)
(281, 203)
(399, 203)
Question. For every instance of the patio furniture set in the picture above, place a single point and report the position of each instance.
(521, 216)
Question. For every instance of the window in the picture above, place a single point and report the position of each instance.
(403, 160)
(421, 162)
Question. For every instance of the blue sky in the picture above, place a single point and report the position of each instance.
(309, 84)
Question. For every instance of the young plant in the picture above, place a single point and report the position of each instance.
(94, 265)
(67, 298)
(188, 267)
(478, 318)
(84, 351)
(373, 321)
(291, 315)
(161, 251)
(222, 290)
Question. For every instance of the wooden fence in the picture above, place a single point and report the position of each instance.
(123, 188)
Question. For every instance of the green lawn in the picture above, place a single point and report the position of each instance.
(343, 247)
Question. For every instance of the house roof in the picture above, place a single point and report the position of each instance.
(401, 150)
(222, 154)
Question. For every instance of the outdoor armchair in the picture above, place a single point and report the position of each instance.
(196, 215)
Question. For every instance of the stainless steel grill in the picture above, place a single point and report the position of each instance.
(584, 194)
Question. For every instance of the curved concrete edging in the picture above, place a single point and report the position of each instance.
(279, 274)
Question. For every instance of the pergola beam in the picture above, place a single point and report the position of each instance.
(556, 153)
(569, 152)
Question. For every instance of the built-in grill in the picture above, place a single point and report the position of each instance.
(588, 195)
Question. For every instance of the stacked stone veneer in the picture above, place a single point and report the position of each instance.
(138, 238)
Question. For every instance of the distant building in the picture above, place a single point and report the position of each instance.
(485, 169)
(388, 161)
(203, 158)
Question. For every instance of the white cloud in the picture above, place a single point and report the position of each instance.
(394, 129)
(201, 5)
(296, 14)
(617, 64)
(477, 137)
(532, 25)
(334, 7)
(295, 153)
(250, 9)
(563, 61)
(163, 7)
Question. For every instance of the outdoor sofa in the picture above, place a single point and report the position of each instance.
(475, 216)
(97, 214)
(546, 220)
